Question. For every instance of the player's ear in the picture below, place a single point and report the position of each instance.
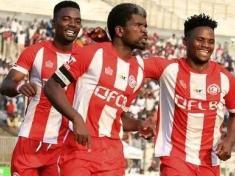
(119, 31)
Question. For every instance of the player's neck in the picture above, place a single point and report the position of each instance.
(63, 47)
(198, 67)
(124, 52)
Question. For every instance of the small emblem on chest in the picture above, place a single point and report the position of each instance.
(108, 71)
(132, 82)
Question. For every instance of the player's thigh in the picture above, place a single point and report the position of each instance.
(21, 162)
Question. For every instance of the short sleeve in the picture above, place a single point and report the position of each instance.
(154, 66)
(25, 60)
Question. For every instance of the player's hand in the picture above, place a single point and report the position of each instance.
(28, 89)
(98, 34)
(81, 133)
(224, 148)
(147, 128)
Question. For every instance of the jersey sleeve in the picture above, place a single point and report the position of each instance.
(25, 60)
(75, 67)
(154, 66)
(230, 97)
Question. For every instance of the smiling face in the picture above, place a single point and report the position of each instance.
(200, 44)
(135, 33)
(67, 24)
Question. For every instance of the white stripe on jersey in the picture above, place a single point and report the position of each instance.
(107, 117)
(37, 68)
(195, 120)
(28, 120)
(140, 61)
(198, 86)
(193, 137)
(52, 126)
(83, 96)
(122, 75)
(121, 129)
(167, 108)
(139, 79)
(140, 75)
(54, 118)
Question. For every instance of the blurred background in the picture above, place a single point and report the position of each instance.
(25, 22)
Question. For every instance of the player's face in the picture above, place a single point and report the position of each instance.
(200, 44)
(67, 24)
(135, 32)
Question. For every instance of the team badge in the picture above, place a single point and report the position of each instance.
(132, 81)
(213, 89)
(108, 71)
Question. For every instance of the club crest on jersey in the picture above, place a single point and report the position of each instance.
(108, 71)
(132, 82)
(213, 89)
(49, 64)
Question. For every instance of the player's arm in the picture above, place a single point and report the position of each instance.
(14, 82)
(226, 144)
(98, 34)
(145, 128)
(54, 90)
(12, 85)
(154, 66)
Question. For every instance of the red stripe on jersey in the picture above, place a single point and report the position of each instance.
(178, 135)
(209, 120)
(107, 79)
(49, 66)
(133, 73)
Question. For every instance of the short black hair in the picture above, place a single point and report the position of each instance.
(64, 4)
(120, 14)
(197, 21)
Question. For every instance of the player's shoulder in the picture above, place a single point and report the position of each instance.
(220, 68)
(36, 47)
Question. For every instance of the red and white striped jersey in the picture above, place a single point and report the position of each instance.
(106, 86)
(42, 121)
(190, 109)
